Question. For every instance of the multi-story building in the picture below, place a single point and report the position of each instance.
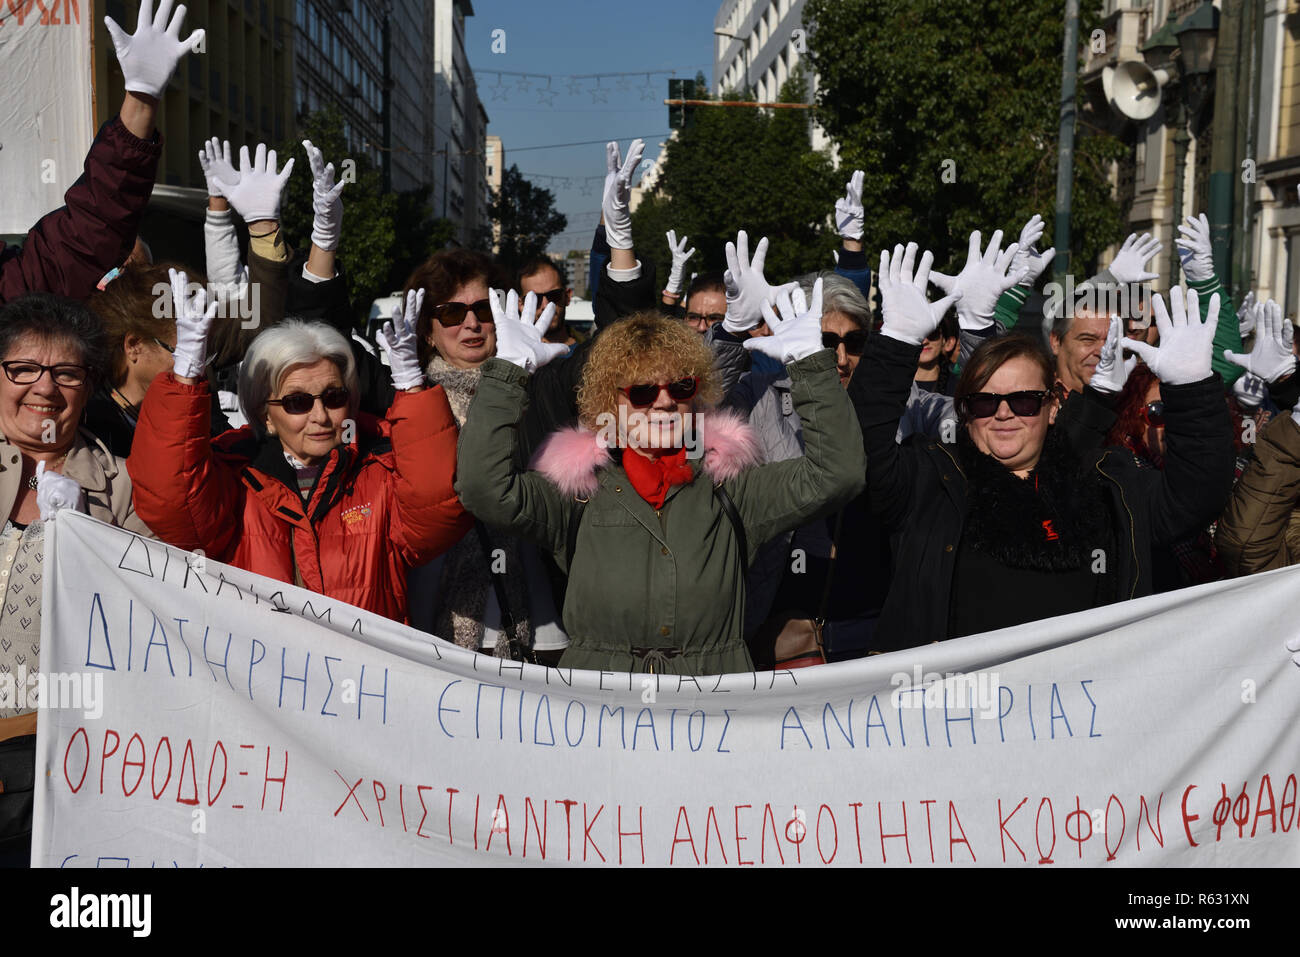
(758, 44)
(494, 162)
(460, 124)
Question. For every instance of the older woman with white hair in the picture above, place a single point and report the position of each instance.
(311, 491)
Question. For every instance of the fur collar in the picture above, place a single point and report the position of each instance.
(571, 457)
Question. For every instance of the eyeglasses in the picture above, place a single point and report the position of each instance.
(1154, 413)
(710, 318)
(452, 314)
(642, 396)
(170, 349)
(21, 372)
(300, 403)
(983, 405)
(854, 342)
(554, 297)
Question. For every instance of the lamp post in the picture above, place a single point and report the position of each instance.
(1198, 36)
(744, 51)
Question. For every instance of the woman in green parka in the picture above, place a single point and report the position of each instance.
(655, 503)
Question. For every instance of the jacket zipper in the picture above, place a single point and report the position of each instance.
(1137, 567)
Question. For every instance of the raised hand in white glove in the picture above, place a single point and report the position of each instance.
(618, 193)
(54, 492)
(1250, 391)
(1247, 315)
(1271, 357)
(1194, 249)
(680, 255)
(747, 289)
(193, 323)
(1130, 263)
(908, 316)
(149, 56)
(215, 160)
(1028, 263)
(1113, 367)
(520, 330)
(256, 197)
(848, 211)
(984, 278)
(1186, 343)
(327, 201)
(797, 334)
(400, 342)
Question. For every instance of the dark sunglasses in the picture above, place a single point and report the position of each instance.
(854, 342)
(554, 297)
(983, 405)
(710, 318)
(1154, 413)
(452, 314)
(300, 403)
(642, 396)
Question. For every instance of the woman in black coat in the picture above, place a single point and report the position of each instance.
(1027, 515)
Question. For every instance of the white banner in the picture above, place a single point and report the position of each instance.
(226, 719)
(46, 118)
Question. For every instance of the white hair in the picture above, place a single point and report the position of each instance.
(274, 352)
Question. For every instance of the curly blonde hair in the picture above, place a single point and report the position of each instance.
(645, 347)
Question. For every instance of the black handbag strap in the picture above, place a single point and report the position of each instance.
(830, 569)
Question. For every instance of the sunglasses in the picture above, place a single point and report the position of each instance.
(983, 405)
(554, 297)
(710, 317)
(452, 314)
(854, 342)
(300, 403)
(1154, 413)
(643, 396)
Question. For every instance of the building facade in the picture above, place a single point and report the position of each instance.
(757, 45)
(494, 162)
(460, 125)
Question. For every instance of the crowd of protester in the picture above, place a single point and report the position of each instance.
(726, 474)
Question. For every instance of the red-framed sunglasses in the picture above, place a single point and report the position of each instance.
(1154, 413)
(643, 396)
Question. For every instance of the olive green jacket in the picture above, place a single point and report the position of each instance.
(658, 591)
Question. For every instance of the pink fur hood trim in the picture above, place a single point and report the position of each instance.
(571, 457)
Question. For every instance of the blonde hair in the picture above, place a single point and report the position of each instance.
(644, 348)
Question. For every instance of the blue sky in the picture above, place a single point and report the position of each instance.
(563, 38)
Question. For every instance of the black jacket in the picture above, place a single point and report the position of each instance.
(920, 491)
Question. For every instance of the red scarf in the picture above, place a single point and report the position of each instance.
(654, 478)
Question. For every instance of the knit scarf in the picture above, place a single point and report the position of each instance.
(1050, 521)
(654, 478)
(466, 573)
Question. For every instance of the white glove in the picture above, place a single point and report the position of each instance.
(982, 280)
(1186, 343)
(55, 491)
(149, 56)
(798, 333)
(215, 160)
(1247, 315)
(618, 193)
(1194, 249)
(1028, 263)
(1293, 644)
(327, 201)
(848, 211)
(400, 342)
(1271, 357)
(193, 322)
(257, 194)
(747, 289)
(908, 316)
(1130, 263)
(1250, 391)
(680, 255)
(519, 334)
(1113, 367)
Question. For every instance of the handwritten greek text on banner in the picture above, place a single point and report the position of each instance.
(247, 722)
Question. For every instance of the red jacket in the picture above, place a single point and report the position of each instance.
(71, 249)
(382, 504)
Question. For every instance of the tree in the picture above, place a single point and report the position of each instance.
(736, 168)
(952, 112)
(527, 218)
